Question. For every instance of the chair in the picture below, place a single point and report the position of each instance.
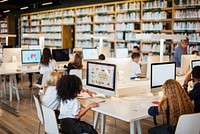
(50, 122)
(77, 72)
(42, 85)
(188, 124)
(39, 112)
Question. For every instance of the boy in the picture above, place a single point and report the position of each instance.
(194, 94)
(135, 67)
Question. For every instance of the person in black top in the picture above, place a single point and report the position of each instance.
(75, 62)
(194, 94)
(102, 57)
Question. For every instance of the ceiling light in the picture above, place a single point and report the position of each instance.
(48, 3)
(6, 11)
(3, 1)
(24, 8)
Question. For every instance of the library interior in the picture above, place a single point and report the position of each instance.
(100, 67)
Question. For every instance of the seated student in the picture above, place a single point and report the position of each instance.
(75, 62)
(177, 101)
(194, 94)
(102, 57)
(68, 87)
(135, 67)
(136, 49)
(150, 54)
(47, 63)
(197, 54)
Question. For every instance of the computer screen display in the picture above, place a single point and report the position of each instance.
(160, 72)
(60, 54)
(121, 53)
(101, 75)
(90, 54)
(30, 56)
(195, 63)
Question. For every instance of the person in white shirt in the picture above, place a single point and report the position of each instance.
(68, 87)
(135, 67)
(47, 63)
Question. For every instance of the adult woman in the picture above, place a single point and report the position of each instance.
(75, 62)
(177, 101)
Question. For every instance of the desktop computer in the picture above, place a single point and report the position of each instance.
(160, 72)
(30, 56)
(60, 54)
(195, 63)
(185, 63)
(11, 54)
(90, 54)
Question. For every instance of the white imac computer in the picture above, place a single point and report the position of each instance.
(10, 54)
(100, 77)
(90, 54)
(122, 53)
(195, 63)
(185, 63)
(31, 56)
(160, 72)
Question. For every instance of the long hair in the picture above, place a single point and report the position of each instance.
(68, 87)
(46, 57)
(77, 61)
(179, 102)
(52, 78)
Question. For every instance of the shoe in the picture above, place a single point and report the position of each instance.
(30, 85)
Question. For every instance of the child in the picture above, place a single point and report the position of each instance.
(135, 67)
(68, 87)
(194, 94)
(102, 57)
(75, 62)
(47, 63)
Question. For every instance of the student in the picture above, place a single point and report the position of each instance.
(195, 52)
(177, 101)
(150, 54)
(135, 67)
(102, 57)
(47, 63)
(136, 49)
(68, 87)
(180, 50)
(194, 94)
(75, 62)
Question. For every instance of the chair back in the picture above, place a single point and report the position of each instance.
(50, 122)
(38, 108)
(77, 72)
(188, 124)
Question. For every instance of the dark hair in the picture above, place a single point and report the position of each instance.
(102, 57)
(196, 72)
(68, 87)
(136, 47)
(77, 61)
(195, 51)
(135, 55)
(186, 40)
(46, 57)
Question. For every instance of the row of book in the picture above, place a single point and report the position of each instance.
(192, 13)
(154, 15)
(187, 26)
(134, 16)
(128, 6)
(155, 4)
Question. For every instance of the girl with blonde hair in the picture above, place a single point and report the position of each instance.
(175, 99)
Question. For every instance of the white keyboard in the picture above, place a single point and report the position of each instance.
(97, 100)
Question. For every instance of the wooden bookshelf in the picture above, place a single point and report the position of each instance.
(3, 30)
(121, 20)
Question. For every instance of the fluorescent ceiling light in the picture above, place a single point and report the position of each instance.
(48, 3)
(3, 1)
(6, 11)
(24, 8)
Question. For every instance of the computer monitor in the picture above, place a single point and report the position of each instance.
(121, 53)
(195, 63)
(31, 56)
(160, 72)
(100, 77)
(9, 53)
(60, 54)
(90, 54)
(185, 63)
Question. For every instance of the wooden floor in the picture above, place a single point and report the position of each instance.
(20, 117)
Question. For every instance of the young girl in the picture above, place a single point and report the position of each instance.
(47, 63)
(175, 99)
(68, 87)
(75, 62)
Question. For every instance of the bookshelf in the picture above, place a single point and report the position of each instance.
(120, 20)
(3, 30)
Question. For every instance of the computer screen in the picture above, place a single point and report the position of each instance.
(121, 53)
(60, 54)
(31, 56)
(160, 72)
(195, 63)
(90, 54)
(101, 75)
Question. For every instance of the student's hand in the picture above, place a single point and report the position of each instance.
(92, 105)
(91, 93)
